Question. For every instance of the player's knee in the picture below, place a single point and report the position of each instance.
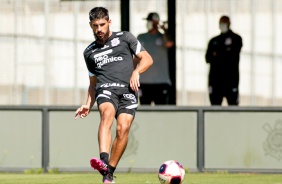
(107, 114)
(123, 130)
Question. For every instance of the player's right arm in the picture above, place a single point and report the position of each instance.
(85, 109)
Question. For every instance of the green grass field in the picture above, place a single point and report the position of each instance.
(91, 178)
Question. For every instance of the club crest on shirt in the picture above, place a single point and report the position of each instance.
(115, 42)
(228, 41)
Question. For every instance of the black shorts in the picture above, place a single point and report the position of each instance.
(124, 101)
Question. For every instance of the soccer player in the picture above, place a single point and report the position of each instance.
(114, 83)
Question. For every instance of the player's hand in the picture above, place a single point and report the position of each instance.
(82, 111)
(134, 81)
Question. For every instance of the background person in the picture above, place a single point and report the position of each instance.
(155, 83)
(114, 83)
(223, 55)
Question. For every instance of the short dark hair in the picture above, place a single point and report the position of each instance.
(99, 13)
(224, 18)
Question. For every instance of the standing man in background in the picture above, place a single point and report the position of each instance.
(223, 55)
(155, 83)
(113, 84)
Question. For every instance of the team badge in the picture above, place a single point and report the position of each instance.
(228, 41)
(115, 42)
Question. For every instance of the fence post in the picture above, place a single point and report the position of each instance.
(200, 140)
(45, 138)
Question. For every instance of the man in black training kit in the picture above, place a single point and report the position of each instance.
(114, 83)
(223, 55)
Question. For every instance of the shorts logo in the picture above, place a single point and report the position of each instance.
(106, 92)
(131, 97)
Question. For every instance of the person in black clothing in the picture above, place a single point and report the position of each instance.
(113, 84)
(223, 55)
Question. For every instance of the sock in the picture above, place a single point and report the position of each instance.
(105, 157)
(111, 169)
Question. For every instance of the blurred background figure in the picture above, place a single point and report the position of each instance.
(223, 55)
(155, 83)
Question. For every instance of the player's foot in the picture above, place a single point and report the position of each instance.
(99, 165)
(109, 178)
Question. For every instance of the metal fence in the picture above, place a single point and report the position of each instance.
(233, 139)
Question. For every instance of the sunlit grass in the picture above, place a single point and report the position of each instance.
(146, 178)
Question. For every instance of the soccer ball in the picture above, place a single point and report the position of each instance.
(171, 172)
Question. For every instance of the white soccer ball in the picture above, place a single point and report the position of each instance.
(171, 172)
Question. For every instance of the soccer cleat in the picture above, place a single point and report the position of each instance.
(99, 165)
(108, 178)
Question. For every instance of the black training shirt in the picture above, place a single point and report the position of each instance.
(112, 62)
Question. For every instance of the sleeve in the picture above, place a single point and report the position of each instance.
(240, 43)
(134, 44)
(209, 56)
(91, 74)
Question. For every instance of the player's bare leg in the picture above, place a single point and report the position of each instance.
(124, 122)
(107, 114)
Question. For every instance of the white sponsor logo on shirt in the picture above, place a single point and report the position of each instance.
(106, 85)
(102, 59)
(105, 46)
(103, 53)
(105, 60)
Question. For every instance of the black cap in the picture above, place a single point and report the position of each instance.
(153, 16)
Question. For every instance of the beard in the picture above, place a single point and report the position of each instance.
(102, 40)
